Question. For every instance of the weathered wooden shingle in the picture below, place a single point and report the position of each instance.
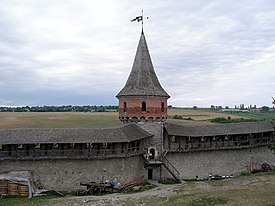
(126, 133)
(222, 129)
(143, 80)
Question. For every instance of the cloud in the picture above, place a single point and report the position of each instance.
(204, 52)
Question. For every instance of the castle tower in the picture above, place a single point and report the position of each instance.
(142, 98)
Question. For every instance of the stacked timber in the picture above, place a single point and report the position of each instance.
(23, 190)
(3, 188)
(8, 188)
(13, 189)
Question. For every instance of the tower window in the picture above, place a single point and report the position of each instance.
(162, 106)
(143, 106)
(124, 107)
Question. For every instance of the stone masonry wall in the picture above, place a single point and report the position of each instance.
(222, 162)
(65, 175)
(156, 129)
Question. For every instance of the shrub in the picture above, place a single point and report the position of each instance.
(223, 120)
(180, 117)
(176, 116)
(169, 181)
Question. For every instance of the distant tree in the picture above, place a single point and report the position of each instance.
(265, 108)
(195, 107)
(212, 106)
(64, 108)
(170, 106)
(176, 116)
(226, 107)
(101, 109)
(241, 106)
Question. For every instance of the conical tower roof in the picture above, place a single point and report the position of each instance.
(143, 80)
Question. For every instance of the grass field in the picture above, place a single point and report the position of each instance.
(253, 190)
(199, 114)
(259, 115)
(59, 120)
(110, 119)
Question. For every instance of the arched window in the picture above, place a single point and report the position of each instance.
(124, 107)
(162, 106)
(143, 106)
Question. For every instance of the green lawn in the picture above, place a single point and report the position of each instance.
(259, 115)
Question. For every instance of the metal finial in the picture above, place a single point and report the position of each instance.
(140, 18)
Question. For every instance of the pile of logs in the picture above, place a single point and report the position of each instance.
(130, 185)
(8, 188)
(94, 188)
(3, 188)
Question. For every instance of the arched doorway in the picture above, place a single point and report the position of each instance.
(152, 153)
(150, 174)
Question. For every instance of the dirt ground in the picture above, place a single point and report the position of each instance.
(161, 191)
(255, 190)
(252, 190)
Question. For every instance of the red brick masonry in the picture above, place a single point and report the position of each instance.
(156, 107)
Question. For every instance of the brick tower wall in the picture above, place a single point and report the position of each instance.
(156, 108)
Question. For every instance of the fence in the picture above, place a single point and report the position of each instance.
(69, 154)
(219, 145)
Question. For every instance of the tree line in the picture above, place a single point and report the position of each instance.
(64, 108)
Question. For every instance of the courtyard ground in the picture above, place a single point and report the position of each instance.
(253, 190)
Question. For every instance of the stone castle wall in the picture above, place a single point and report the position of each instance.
(66, 175)
(221, 162)
(156, 129)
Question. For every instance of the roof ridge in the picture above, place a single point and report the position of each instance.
(125, 133)
(219, 129)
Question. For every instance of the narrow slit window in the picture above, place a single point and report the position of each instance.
(162, 106)
(143, 106)
(124, 107)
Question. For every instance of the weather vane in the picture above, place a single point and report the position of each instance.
(140, 18)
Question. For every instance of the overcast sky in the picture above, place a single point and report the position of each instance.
(68, 52)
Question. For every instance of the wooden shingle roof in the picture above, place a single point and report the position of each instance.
(222, 129)
(142, 80)
(126, 133)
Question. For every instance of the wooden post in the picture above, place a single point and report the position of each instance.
(160, 172)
